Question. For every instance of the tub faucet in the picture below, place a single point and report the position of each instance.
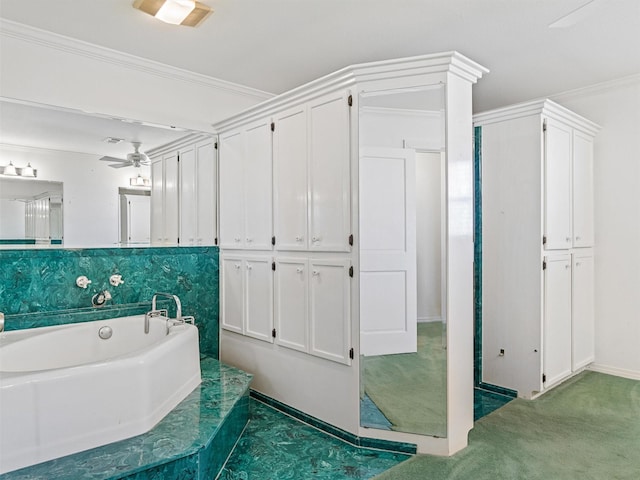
(1, 322)
(155, 312)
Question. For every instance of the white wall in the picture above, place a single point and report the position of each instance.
(616, 107)
(12, 215)
(90, 191)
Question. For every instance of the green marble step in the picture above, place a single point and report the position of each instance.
(192, 442)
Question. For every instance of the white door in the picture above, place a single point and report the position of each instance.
(329, 173)
(188, 199)
(388, 291)
(232, 293)
(557, 319)
(171, 204)
(290, 180)
(231, 190)
(157, 215)
(206, 182)
(257, 187)
(330, 306)
(582, 311)
(259, 298)
(557, 205)
(291, 309)
(138, 218)
(582, 190)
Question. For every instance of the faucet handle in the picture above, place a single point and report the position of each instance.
(116, 280)
(82, 281)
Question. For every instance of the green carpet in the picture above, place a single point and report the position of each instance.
(587, 428)
(410, 388)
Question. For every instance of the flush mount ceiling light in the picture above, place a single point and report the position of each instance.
(177, 12)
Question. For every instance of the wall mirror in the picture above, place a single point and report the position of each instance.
(402, 170)
(65, 147)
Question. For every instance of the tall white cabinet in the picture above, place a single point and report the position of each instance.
(184, 192)
(537, 245)
(289, 199)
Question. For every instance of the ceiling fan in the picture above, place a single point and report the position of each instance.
(134, 159)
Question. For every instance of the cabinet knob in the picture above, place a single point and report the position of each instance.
(249, 267)
(299, 270)
(567, 266)
(249, 240)
(316, 273)
(577, 264)
(568, 239)
(237, 265)
(315, 239)
(237, 239)
(299, 239)
(578, 238)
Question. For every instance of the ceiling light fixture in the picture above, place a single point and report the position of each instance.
(140, 181)
(176, 12)
(12, 171)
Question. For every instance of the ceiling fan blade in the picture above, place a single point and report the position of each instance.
(121, 165)
(112, 159)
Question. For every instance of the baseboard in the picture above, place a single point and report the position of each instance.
(429, 319)
(618, 372)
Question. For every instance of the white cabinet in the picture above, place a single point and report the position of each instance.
(183, 192)
(312, 307)
(198, 193)
(164, 200)
(245, 188)
(537, 227)
(312, 176)
(247, 295)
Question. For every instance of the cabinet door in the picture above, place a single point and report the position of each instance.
(231, 190)
(171, 204)
(330, 305)
(259, 298)
(582, 312)
(329, 173)
(290, 180)
(291, 309)
(232, 293)
(557, 319)
(257, 187)
(557, 205)
(582, 190)
(206, 181)
(188, 200)
(157, 218)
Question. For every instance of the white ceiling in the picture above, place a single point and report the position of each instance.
(274, 45)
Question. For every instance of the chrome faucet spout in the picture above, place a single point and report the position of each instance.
(1, 322)
(170, 296)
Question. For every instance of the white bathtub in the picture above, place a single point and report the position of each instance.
(64, 389)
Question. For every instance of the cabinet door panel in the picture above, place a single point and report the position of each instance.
(557, 319)
(231, 191)
(329, 173)
(171, 204)
(582, 313)
(257, 187)
(188, 201)
(232, 293)
(259, 298)
(206, 182)
(582, 190)
(557, 205)
(290, 180)
(330, 310)
(157, 216)
(292, 303)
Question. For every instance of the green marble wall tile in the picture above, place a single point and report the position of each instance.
(477, 254)
(37, 286)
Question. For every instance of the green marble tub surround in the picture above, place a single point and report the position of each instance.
(38, 286)
(192, 442)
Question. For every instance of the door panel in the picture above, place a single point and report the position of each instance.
(557, 319)
(171, 205)
(292, 293)
(290, 180)
(188, 201)
(582, 190)
(231, 295)
(329, 173)
(557, 205)
(206, 184)
(582, 312)
(259, 298)
(157, 215)
(258, 184)
(388, 284)
(231, 191)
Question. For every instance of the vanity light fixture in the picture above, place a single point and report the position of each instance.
(139, 181)
(12, 171)
(176, 12)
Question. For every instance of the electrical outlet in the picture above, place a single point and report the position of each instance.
(501, 352)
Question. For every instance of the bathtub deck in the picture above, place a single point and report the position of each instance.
(193, 441)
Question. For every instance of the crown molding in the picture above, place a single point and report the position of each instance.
(73, 46)
(598, 88)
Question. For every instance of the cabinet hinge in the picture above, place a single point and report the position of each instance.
(215, 240)
(350, 100)
(273, 240)
(351, 239)
(178, 240)
(215, 145)
(544, 265)
(273, 126)
(273, 333)
(544, 378)
(544, 239)
(544, 125)
(351, 353)
(351, 271)
(273, 266)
